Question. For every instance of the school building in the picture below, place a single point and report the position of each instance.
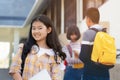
(16, 15)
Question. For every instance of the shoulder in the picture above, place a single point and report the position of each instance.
(89, 35)
(17, 56)
(21, 45)
(64, 48)
(20, 49)
(89, 32)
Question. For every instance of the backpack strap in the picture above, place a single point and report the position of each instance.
(69, 49)
(96, 30)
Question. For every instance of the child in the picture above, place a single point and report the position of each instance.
(42, 50)
(72, 51)
(92, 71)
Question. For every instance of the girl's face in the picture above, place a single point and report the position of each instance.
(40, 31)
(73, 37)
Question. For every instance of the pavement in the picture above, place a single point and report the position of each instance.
(4, 74)
(114, 73)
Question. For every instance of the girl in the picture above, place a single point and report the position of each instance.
(74, 67)
(42, 50)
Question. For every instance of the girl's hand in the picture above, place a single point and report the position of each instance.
(16, 76)
(76, 54)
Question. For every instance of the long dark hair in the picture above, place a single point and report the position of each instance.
(52, 39)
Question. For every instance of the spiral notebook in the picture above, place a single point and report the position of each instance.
(42, 75)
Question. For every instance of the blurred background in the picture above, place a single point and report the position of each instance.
(16, 16)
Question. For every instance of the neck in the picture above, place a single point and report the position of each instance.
(73, 41)
(91, 24)
(42, 44)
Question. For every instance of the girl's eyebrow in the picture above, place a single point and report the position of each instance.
(37, 26)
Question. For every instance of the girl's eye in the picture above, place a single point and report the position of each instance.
(40, 28)
(33, 28)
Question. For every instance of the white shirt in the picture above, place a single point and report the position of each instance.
(75, 46)
(45, 51)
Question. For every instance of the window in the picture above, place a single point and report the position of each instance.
(4, 54)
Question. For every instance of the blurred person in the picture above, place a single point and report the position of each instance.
(92, 71)
(74, 66)
(42, 50)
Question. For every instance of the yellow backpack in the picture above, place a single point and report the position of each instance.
(104, 50)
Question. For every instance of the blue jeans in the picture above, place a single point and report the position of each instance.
(73, 74)
(89, 77)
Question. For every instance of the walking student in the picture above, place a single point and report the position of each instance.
(92, 70)
(74, 66)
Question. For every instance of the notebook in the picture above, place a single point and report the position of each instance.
(42, 75)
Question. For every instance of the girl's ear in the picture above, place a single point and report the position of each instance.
(88, 19)
(49, 30)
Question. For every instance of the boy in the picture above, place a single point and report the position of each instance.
(92, 71)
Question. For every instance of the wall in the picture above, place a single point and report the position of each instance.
(109, 12)
(13, 35)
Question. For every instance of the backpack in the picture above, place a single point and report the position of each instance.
(104, 50)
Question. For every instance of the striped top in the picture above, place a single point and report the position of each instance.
(34, 63)
(74, 46)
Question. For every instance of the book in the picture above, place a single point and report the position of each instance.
(42, 75)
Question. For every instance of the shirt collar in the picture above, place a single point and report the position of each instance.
(96, 26)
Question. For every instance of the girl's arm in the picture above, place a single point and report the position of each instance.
(56, 72)
(15, 67)
(16, 76)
